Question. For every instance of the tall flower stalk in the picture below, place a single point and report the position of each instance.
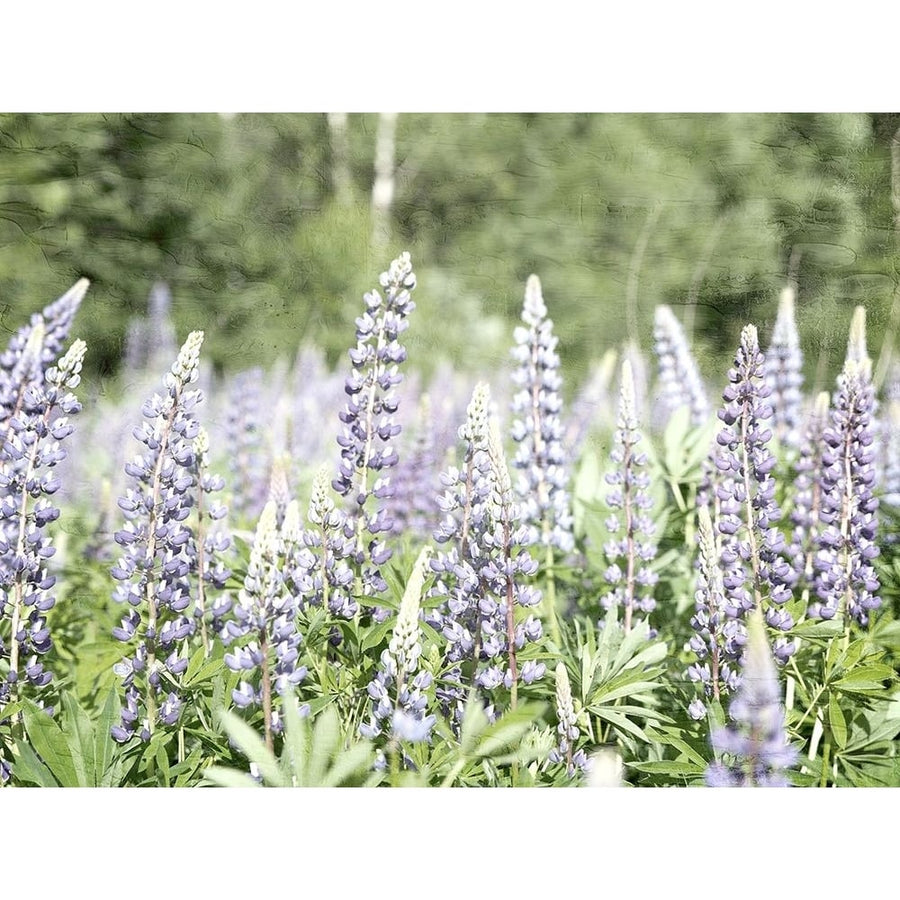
(399, 689)
(629, 575)
(265, 614)
(784, 373)
(369, 426)
(718, 641)
(846, 582)
(542, 485)
(30, 451)
(679, 381)
(755, 743)
(756, 575)
(481, 575)
(159, 557)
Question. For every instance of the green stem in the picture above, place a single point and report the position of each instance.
(826, 758)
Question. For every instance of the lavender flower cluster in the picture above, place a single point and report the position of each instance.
(369, 426)
(159, 558)
(680, 384)
(398, 691)
(30, 451)
(756, 574)
(482, 575)
(846, 582)
(758, 753)
(784, 372)
(629, 574)
(541, 488)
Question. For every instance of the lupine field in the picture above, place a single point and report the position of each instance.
(310, 575)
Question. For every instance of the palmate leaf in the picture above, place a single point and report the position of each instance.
(311, 755)
(52, 745)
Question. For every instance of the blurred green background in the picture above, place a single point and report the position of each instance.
(265, 229)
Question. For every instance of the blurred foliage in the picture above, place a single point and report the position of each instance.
(265, 247)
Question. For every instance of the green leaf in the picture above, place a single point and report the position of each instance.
(622, 722)
(474, 722)
(80, 734)
(296, 748)
(27, 768)
(225, 777)
(207, 671)
(679, 768)
(510, 728)
(104, 746)
(254, 748)
(50, 743)
(836, 721)
(608, 694)
(326, 738)
(375, 635)
(162, 760)
(353, 762)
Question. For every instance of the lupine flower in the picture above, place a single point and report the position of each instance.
(54, 323)
(398, 691)
(367, 451)
(413, 510)
(319, 574)
(505, 571)
(629, 575)
(159, 552)
(846, 582)
(30, 451)
(244, 442)
(784, 372)
(150, 341)
(679, 382)
(808, 494)
(755, 741)
(567, 726)
(480, 574)
(719, 640)
(756, 575)
(541, 488)
(265, 613)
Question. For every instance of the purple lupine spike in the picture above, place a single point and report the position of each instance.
(758, 752)
(808, 494)
(30, 451)
(567, 727)
(480, 575)
(369, 424)
(679, 382)
(510, 563)
(756, 575)
(784, 373)
(263, 631)
(56, 322)
(320, 575)
(846, 583)
(159, 556)
(399, 690)
(629, 576)
(244, 442)
(413, 510)
(718, 642)
(542, 485)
